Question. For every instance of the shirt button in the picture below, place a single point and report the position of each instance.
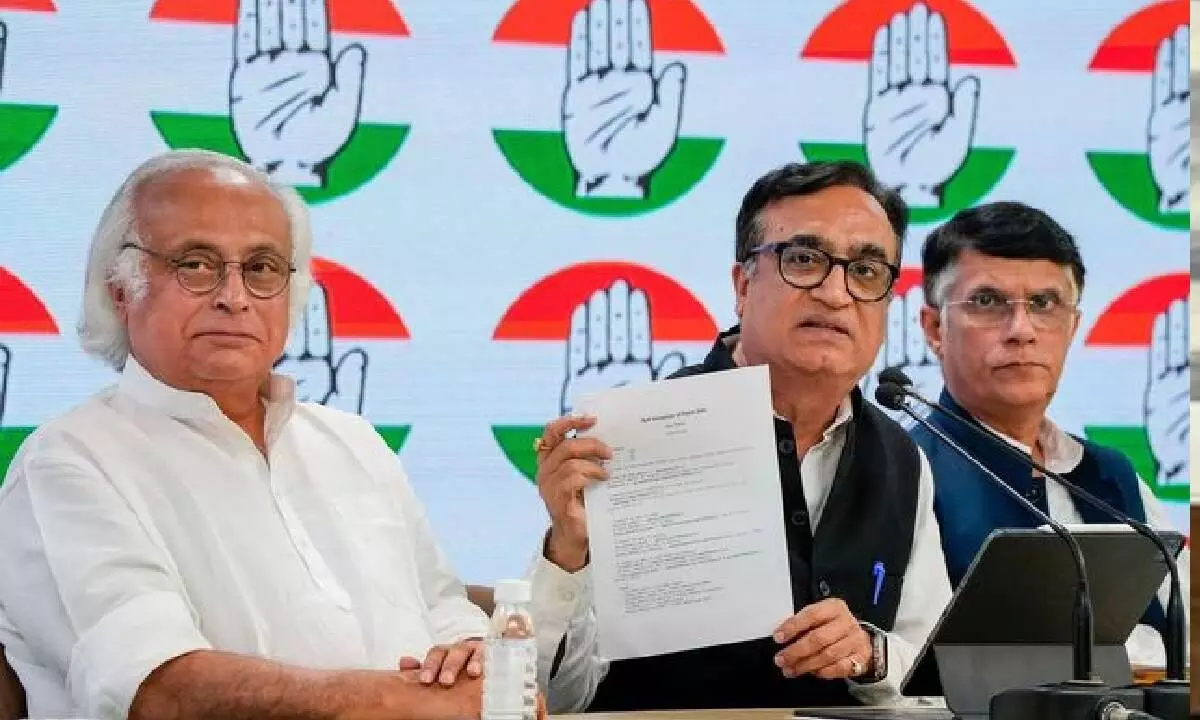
(799, 518)
(787, 446)
(823, 587)
(567, 595)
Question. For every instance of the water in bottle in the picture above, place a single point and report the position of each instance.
(510, 656)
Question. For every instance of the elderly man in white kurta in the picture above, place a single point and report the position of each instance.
(193, 542)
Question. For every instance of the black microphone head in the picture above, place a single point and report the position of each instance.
(895, 375)
(890, 395)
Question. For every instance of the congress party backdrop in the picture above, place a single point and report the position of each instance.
(494, 184)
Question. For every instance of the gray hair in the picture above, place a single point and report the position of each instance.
(940, 282)
(101, 331)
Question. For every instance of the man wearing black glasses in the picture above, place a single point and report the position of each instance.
(1002, 287)
(817, 252)
(194, 541)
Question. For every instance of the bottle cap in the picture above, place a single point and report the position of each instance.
(513, 591)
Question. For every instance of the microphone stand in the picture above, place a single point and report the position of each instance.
(1085, 696)
(1170, 697)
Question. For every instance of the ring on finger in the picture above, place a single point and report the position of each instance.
(856, 667)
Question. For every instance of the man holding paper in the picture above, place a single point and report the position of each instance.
(817, 252)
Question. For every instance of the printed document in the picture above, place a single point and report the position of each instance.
(687, 539)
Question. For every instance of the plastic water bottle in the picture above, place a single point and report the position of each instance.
(510, 656)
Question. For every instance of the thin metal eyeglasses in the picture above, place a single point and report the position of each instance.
(990, 308)
(265, 274)
(805, 267)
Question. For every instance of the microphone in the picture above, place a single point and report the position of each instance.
(892, 396)
(1171, 696)
(1084, 697)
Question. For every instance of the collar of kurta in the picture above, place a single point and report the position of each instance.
(137, 383)
(1062, 452)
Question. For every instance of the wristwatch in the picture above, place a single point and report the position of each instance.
(879, 654)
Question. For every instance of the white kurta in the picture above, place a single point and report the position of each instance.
(144, 525)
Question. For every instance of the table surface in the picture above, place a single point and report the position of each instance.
(776, 714)
(1141, 676)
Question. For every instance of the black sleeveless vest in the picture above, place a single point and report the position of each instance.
(868, 519)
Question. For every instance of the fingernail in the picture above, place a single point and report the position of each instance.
(474, 668)
(447, 678)
(426, 677)
(779, 660)
(779, 636)
(787, 673)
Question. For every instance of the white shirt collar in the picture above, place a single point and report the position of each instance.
(845, 413)
(1063, 453)
(139, 384)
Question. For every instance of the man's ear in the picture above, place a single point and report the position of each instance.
(120, 298)
(931, 324)
(741, 285)
(1075, 326)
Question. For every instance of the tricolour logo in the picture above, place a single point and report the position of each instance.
(904, 345)
(22, 314)
(618, 149)
(294, 93)
(342, 309)
(1150, 176)
(614, 323)
(917, 128)
(23, 124)
(1152, 319)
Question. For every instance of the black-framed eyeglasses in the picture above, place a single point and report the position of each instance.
(991, 308)
(200, 271)
(805, 267)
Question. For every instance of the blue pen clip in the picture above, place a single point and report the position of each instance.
(878, 571)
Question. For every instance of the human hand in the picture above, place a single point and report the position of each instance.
(1168, 387)
(566, 466)
(917, 128)
(619, 120)
(824, 639)
(611, 344)
(309, 359)
(905, 348)
(293, 105)
(1167, 133)
(444, 664)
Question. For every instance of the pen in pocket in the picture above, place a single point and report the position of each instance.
(879, 572)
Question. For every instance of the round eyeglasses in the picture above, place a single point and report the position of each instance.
(265, 274)
(805, 267)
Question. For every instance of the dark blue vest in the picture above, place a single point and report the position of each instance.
(969, 507)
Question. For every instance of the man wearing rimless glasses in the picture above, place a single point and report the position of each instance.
(816, 254)
(1002, 284)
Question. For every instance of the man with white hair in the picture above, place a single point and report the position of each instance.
(194, 543)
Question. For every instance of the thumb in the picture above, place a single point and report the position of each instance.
(668, 90)
(348, 70)
(964, 104)
(349, 379)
